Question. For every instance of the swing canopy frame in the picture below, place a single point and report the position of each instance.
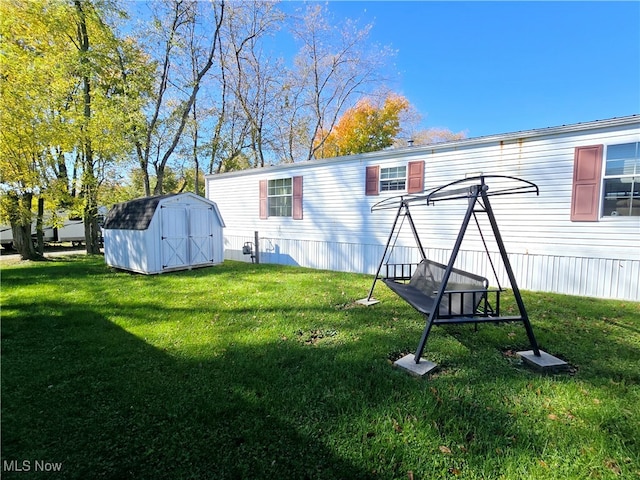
(442, 293)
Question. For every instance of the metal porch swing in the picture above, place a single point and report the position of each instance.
(445, 294)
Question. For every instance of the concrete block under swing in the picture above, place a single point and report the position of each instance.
(367, 301)
(408, 364)
(544, 362)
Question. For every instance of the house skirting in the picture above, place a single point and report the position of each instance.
(591, 277)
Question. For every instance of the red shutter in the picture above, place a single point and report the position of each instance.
(264, 210)
(372, 180)
(415, 179)
(585, 196)
(297, 198)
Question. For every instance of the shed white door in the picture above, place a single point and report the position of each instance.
(187, 236)
(200, 235)
(175, 235)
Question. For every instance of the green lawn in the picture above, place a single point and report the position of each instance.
(261, 371)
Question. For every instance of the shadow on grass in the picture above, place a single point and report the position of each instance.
(105, 404)
(78, 389)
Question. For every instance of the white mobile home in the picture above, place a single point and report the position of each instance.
(163, 233)
(580, 235)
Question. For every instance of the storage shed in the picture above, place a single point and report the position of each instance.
(164, 233)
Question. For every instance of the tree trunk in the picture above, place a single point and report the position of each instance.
(40, 226)
(89, 181)
(91, 228)
(20, 218)
(195, 150)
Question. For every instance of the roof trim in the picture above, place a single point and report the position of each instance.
(464, 143)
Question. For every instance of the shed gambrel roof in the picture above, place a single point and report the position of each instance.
(134, 214)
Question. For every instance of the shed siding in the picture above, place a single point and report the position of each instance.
(134, 257)
(549, 252)
(185, 231)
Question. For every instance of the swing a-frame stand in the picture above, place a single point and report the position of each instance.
(446, 295)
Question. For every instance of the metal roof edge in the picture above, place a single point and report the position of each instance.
(463, 143)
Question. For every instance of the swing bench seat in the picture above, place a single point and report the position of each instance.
(464, 300)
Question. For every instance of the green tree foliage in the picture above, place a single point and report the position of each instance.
(81, 102)
(71, 90)
(35, 84)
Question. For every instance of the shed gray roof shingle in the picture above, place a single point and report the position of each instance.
(133, 215)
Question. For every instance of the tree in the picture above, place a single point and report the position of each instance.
(334, 65)
(34, 87)
(174, 94)
(89, 181)
(366, 127)
(64, 107)
(430, 136)
(106, 104)
(243, 88)
(255, 78)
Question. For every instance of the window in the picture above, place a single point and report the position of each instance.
(394, 178)
(621, 181)
(409, 178)
(279, 197)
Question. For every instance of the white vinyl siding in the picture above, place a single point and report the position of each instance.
(548, 251)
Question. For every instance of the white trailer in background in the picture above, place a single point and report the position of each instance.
(6, 235)
(71, 230)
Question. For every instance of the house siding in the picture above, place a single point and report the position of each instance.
(548, 251)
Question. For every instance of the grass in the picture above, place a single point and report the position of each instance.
(263, 371)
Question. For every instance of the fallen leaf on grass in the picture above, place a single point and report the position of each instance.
(613, 466)
(444, 449)
(396, 426)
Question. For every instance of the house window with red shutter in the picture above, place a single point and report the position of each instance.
(606, 182)
(281, 197)
(393, 179)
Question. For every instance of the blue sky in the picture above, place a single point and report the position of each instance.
(497, 67)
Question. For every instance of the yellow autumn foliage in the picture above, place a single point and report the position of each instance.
(366, 127)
